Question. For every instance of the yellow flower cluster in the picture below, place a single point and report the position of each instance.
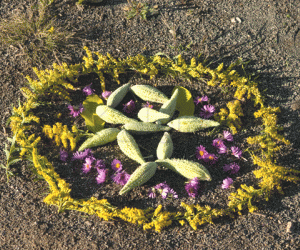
(160, 220)
(197, 215)
(231, 117)
(272, 175)
(61, 134)
(243, 198)
(269, 137)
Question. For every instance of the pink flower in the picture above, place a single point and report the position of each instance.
(88, 90)
(63, 155)
(192, 187)
(106, 94)
(207, 111)
(82, 155)
(101, 175)
(227, 135)
(129, 106)
(237, 152)
(222, 149)
(121, 177)
(232, 167)
(100, 164)
(217, 142)
(76, 111)
(116, 165)
(165, 190)
(148, 105)
(200, 99)
(87, 166)
(211, 158)
(201, 152)
(227, 182)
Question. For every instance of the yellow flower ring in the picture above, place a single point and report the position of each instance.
(55, 83)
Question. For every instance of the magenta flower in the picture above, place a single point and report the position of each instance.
(227, 135)
(87, 166)
(165, 190)
(232, 167)
(222, 149)
(106, 94)
(148, 105)
(211, 158)
(227, 182)
(100, 164)
(129, 106)
(76, 111)
(88, 90)
(200, 99)
(101, 175)
(201, 152)
(63, 155)
(152, 193)
(217, 142)
(237, 152)
(116, 165)
(192, 187)
(207, 111)
(121, 177)
(82, 155)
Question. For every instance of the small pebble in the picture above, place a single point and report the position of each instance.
(289, 227)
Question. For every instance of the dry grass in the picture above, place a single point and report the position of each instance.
(35, 34)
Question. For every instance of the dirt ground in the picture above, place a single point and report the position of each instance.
(265, 32)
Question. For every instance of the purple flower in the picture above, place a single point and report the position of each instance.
(227, 135)
(165, 190)
(232, 167)
(211, 158)
(217, 142)
(121, 177)
(192, 187)
(63, 155)
(201, 99)
(227, 182)
(152, 193)
(207, 111)
(75, 111)
(129, 106)
(87, 166)
(101, 175)
(222, 149)
(148, 105)
(88, 90)
(106, 94)
(82, 155)
(100, 164)
(116, 165)
(237, 152)
(201, 152)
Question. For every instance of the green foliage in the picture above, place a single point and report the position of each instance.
(11, 157)
(138, 9)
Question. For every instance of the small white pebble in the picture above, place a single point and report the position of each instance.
(289, 226)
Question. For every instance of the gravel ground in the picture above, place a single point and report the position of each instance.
(265, 32)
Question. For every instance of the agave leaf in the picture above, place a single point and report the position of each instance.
(185, 103)
(92, 120)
